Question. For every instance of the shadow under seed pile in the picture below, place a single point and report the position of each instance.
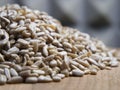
(34, 47)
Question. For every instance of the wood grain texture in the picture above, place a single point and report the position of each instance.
(104, 80)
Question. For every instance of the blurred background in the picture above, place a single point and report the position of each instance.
(99, 18)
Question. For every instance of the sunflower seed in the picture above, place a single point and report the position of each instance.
(31, 80)
(3, 79)
(7, 73)
(77, 72)
(13, 72)
(15, 79)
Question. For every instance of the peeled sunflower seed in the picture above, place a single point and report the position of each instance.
(13, 50)
(114, 63)
(93, 71)
(23, 42)
(4, 66)
(44, 79)
(4, 37)
(1, 58)
(25, 73)
(17, 67)
(7, 73)
(3, 79)
(56, 78)
(53, 63)
(13, 72)
(15, 79)
(40, 72)
(45, 51)
(2, 71)
(13, 25)
(31, 79)
(61, 75)
(77, 72)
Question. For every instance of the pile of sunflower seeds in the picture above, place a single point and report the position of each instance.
(34, 47)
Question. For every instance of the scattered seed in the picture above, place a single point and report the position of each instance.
(13, 72)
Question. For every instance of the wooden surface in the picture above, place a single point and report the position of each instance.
(104, 80)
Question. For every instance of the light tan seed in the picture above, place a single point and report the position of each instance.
(31, 53)
(65, 72)
(13, 50)
(53, 63)
(74, 63)
(35, 46)
(2, 71)
(66, 44)
(40, 34)
(22, 22)
(23, 42)
(37, 63)
(17, 67)
(86, 64)
(106, 59)
(108, 68)
(41, 78)
(50, 37)
(62, 53)
(25, 73)
(80, 47)
(55, 34)
(40, 72)
(114, 63)
(27, 68)
(56, 78)
(1, 58)
(32, 28)
(87, 71)
(3, 79)
(31, 80)
(16, 58)
(57, 43)
(20, 29)
(13, 25)
(33, 75)
(44, 79)
(73, 66)
(45, 51)
(93, 71)
(24, 51)
(81, 67)
(92, 61)
(72, 55)
(15, 79)
(8, 63)
(61, 75)
(13, 72)
(77, 72)
(4, 66)
(49, 58)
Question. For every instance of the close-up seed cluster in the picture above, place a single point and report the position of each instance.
(35, 47)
